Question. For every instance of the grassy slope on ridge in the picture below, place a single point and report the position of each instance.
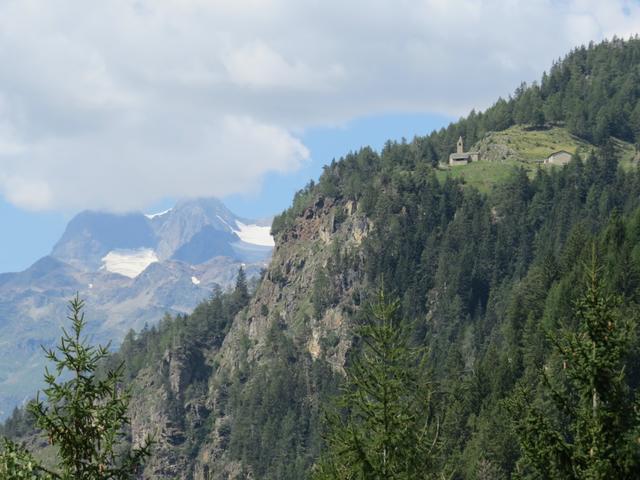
(524, 147)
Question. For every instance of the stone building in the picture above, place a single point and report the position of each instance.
(561, 157)
(461, 157)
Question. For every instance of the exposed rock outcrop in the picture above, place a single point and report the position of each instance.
(327, 232)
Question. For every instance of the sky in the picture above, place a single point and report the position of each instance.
(124, 105)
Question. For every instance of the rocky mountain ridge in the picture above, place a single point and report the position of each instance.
(130, 269)
(284, 302)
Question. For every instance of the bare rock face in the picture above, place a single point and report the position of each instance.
(152, 413)
(178, 364)
(493, 151)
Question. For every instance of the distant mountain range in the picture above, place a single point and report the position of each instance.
(130, 269)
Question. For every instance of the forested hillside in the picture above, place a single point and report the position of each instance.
(484, 281)
(593, 91)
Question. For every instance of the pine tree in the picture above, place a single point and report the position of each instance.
(240, 298)
(83, 417)
(592, 430)
(383, 426)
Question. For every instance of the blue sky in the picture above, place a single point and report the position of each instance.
(26, 236)
(124, 105)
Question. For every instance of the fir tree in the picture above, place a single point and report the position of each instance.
(241, 292)
(592, 430)
(383, 427)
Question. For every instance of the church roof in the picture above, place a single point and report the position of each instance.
(460, 156)
(560, 151)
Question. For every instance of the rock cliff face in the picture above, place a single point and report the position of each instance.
(307, 293)
(302, 256)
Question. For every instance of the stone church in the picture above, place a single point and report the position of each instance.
(461, 157)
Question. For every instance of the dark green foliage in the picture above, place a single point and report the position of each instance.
(206, 327)
(589, 426)
(240, 296)
(482, 277)
(383, 427)
(276, 414)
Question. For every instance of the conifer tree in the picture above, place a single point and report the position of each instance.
(592, 430)
(83, 417)
(241, 292)
(383, 427)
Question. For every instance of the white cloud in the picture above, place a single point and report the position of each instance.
(119, 103)
(258, 65)
(31, 193)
